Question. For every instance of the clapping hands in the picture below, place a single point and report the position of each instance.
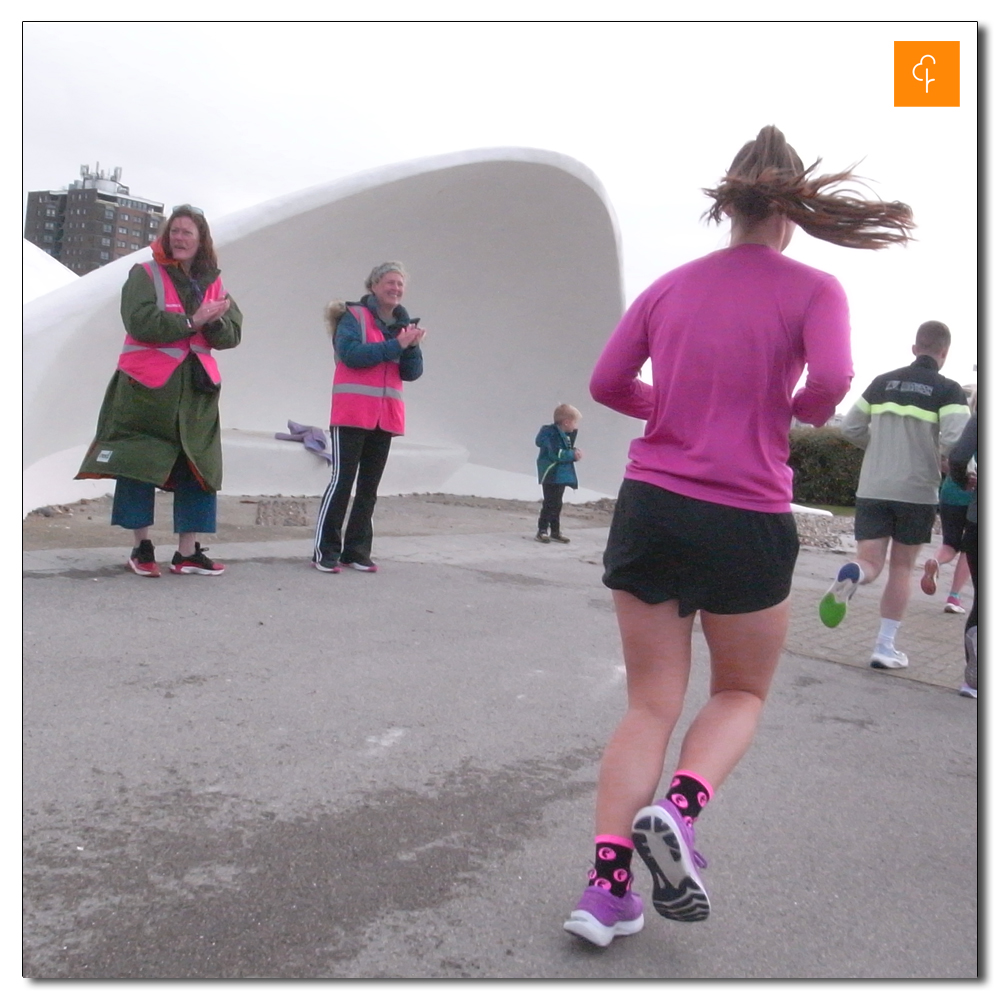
(411, 335)
(209, 312)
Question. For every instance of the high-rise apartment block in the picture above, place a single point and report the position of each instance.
(92, 222)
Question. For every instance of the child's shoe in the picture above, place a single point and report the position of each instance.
(600, 917)
(665, 842)
(542, 537)
(953, 606)
(557, 537)
(833, 605)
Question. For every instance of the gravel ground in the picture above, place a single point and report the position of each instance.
(833, 533)
(85, 524)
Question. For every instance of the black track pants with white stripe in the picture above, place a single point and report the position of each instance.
(361, 454)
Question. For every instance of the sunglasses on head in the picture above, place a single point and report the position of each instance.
(187, 208)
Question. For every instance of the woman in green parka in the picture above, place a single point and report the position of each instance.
(159, 423)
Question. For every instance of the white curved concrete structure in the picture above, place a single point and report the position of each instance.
(515, 272)
(41, 273)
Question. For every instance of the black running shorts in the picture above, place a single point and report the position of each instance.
(953, 518)
(725, 560)
(906, 523)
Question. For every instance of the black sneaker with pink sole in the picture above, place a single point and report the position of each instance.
(142, 561)
(198, 563)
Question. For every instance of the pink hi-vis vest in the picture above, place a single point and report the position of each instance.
(368, 397)
(153, 364)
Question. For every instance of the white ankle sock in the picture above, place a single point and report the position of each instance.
(887, 633)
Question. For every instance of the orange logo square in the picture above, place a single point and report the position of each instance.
(925, 75)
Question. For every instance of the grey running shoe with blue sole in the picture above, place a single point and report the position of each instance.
(833, 605)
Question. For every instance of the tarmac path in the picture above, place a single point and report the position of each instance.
(280, 774)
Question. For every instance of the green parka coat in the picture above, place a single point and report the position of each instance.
(146, 430)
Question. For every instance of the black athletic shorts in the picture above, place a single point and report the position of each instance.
(953, 517)
(725, 560)
(906, 523)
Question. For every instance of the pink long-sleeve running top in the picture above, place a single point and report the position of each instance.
(729, 336)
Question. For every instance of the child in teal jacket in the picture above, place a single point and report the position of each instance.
(557, 455)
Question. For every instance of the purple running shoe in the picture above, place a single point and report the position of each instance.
(600, 917)
(665, 842)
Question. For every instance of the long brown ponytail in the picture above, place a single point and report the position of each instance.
(767, 176)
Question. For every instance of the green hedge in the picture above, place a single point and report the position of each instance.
(826, 466)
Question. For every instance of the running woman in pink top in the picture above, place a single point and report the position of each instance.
(703, 519)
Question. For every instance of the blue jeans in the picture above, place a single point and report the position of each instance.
(194, 508)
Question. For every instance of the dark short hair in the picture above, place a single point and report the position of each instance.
(933, 337)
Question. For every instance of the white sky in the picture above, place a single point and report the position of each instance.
(228, 114)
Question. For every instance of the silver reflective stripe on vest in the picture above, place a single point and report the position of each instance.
(177, 353)
(368, 390)
(171, 352)
(157, 276)
(198, 349)
(358, 314)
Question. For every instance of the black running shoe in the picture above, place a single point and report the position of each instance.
(143, 559)
(197, 563)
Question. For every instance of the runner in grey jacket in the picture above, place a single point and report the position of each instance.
(906, 421)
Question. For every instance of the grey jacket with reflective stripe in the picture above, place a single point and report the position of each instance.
(907, 420)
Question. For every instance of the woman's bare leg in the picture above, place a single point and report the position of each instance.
(962, 574)
(745, 650)
(656, 643)
(945, 554)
